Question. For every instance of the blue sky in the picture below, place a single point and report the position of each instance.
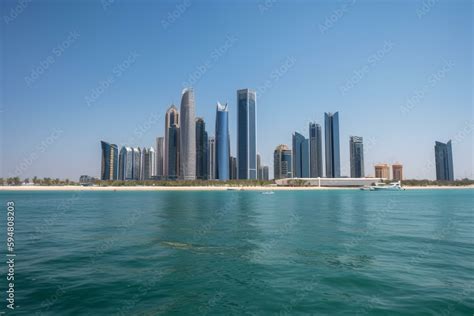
(77, 72)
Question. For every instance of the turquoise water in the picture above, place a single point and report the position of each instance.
(242, 253)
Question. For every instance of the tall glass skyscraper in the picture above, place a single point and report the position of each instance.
(282, 162)
(444, 161)
(137, 160)
(126, 164)
(109, 167)
(211, 170)
(315, 151)
(222, 142)
(300, 156)
(173, 152)
(187, 141)
(148, 163)
(333, 162)
(356, 150)
(246, 134)
(201, 149)
(171, 119)
(160, 150)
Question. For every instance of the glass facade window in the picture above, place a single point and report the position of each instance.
(356, 150)
(109, 161)
(333, 163)
(222, 142)
(444, 161)
(246, 134)
(315, 150)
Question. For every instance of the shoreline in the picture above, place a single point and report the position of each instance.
(204, 188)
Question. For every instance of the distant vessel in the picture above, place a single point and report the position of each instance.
(268, 192)
(394, 186)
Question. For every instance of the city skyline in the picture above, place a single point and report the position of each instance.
(391, 73)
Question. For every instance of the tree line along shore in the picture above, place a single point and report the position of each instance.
(16, 181)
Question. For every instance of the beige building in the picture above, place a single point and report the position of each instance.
(382, 170)
(397, 171)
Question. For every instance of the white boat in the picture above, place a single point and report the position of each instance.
(268, 192)
(394, 186)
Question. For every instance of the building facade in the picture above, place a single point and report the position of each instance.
(149, 163)
(233, 168)
(333, 162)
(171, 119)
(315, 151)
(282, 162)
(187, 141)
(246, 134)
(109, 164)
(300, 156)
(382, 170)
(160, 151)
(444, 161)
(173, 152)
(397, 172)
(222, 140)
(126, 164)
(266, 174)
(356, 151)
(136, 163)
(201, 149)
(211, 170)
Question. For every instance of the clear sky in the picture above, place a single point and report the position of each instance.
(77, 72)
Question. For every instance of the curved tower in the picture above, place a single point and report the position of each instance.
(187, 144)
(222, 142)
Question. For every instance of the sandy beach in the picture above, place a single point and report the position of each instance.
(202, 188)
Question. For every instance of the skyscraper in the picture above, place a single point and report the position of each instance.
(136, 165)
(233, 168)
(397, 171)
(259, 167)
(331, 126)
(211, 170)
(222, 142)
(356, 149)
(171, 119)
(149, 163)
(126, 164)
(282, 162)
(109, 168)
(187, 140)
(160, 149)
(246, 134)
(444, 161)
(172, 150)
(315, 151)
(300, 156)
(265, 173)
(201, 149)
